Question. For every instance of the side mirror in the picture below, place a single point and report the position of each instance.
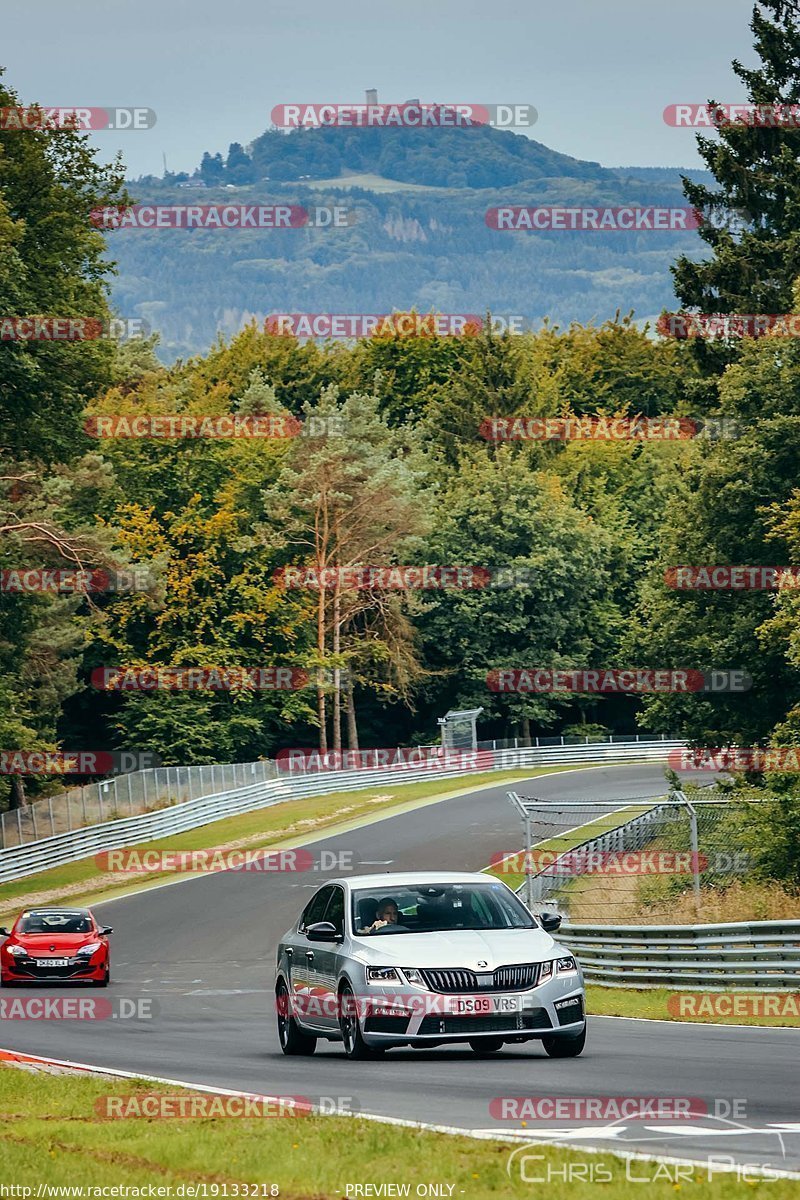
(550, 922)
(322, 931)
(4, 932)
(105, 929)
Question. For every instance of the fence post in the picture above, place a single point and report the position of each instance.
(144, 787)
(19, 825)
(130, 796)
(100, 799)
(83, 802)
(528, 862)
(695, 858)
(33, 821)
(52, 818)
(69, 813)
(694, 842)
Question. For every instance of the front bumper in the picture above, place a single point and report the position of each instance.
(37, 970)
(556, 1007)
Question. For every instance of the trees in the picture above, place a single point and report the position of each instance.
(349, 496)
(551, 609)
(51, 263)
(734, 506)
(757, 169)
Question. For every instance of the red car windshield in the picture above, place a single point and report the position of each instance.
(55, 923)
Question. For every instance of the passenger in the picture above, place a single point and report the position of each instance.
(387, 914)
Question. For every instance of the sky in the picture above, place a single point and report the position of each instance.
(599, 74)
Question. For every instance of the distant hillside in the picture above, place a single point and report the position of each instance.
(409, 247)
(474, 157)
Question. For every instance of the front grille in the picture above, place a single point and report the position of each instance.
(385, 1024)
(41, 969)
(516, 978)
(450, 981)
(535, 1018)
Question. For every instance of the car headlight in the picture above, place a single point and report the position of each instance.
(18, 951)
(382, 975)
(566, 966)
(90, 949)
(414, 976)
(546, 971)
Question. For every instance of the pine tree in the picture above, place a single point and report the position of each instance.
(757, 169)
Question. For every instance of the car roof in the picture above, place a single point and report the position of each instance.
(389, 879)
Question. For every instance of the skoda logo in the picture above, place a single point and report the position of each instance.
(482, 962)
(52, 947)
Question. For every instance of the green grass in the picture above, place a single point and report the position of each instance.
(49, 1134)
(665, 1005)
(293, 822)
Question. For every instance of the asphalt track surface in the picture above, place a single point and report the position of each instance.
(204, 949)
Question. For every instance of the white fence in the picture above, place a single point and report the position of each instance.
(27, 859)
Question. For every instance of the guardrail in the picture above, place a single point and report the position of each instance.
(131, 793)
(754, 954)
(19, 861)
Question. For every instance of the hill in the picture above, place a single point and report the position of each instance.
(419, 237)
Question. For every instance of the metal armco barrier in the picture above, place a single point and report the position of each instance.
(18, 861)
(752, 954)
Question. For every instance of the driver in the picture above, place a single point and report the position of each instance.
(387, 913)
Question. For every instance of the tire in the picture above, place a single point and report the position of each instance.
(354, 1045)
(292, 1039)
(565, 1047)
(486, 1045)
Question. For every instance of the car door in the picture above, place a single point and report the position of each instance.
(327, 958)
(302, 970)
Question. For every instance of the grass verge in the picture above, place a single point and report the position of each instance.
(51, 1135)
(777, 1010)
(293, 822)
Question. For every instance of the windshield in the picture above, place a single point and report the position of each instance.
(55, 922)
(437, 908)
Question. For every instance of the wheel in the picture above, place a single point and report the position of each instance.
(354, 1044)
(486, 1045)
(565, 1047)
(291, 1036)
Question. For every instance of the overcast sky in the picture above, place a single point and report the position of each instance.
(599, 74)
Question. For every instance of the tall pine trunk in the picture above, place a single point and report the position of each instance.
(321, 708)
(352, 728)
(17, 799)
(337, 675)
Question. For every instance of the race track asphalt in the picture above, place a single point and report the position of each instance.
(203, 950)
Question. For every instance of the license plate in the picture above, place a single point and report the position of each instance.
(53, 962)
(487, 1004)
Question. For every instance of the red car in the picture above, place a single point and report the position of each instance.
(54, 944)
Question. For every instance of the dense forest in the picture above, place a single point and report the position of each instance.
(389, 465)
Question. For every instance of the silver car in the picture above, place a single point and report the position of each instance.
(424, 958)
